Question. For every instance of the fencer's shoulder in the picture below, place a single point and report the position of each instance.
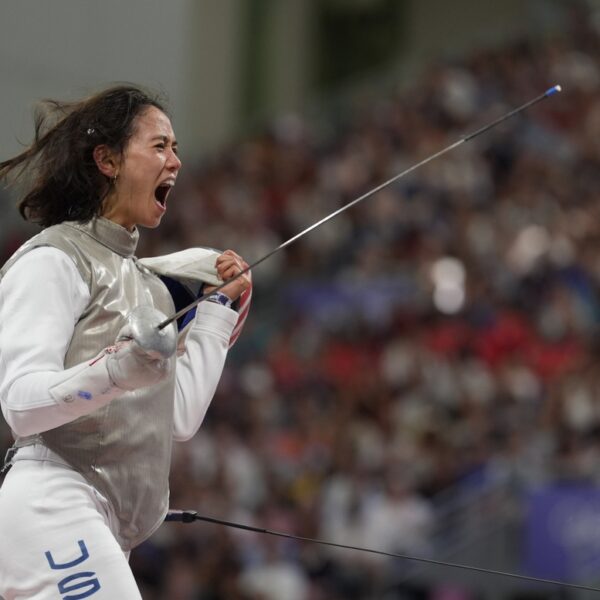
(45, 251)
(58, 236)
(45, 255)
(61, 245)
(39, 267)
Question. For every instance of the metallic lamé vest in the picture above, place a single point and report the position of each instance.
(124, 448)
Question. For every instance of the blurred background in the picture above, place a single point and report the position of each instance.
(420, 375)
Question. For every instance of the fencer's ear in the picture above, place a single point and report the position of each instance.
(106, 160)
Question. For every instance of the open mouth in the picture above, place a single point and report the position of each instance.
(161, 193)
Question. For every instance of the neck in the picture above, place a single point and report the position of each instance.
(112, 213)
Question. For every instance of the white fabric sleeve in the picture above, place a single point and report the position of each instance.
(199, 369)
(41, 298)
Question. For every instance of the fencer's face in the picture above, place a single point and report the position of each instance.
(145, 173)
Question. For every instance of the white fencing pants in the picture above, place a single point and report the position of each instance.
(56, 540)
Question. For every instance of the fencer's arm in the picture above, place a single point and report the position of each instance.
(41, 298)
(200, 367)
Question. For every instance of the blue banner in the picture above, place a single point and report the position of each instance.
(562, 532)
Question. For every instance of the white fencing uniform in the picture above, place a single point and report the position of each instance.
(75, 510)
(58, 535)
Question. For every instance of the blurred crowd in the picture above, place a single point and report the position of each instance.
(435, 337)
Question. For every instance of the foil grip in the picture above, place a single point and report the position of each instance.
(142, 326)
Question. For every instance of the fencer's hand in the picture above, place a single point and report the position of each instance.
(130, 367)
(228, 265)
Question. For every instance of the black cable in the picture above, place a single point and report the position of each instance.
(189, 516)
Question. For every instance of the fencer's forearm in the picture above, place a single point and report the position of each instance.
(41, 401)
(199, 369)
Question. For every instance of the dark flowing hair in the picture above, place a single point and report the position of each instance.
(63, 182)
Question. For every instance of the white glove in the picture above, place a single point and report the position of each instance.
(141, 357)
(130, 367)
